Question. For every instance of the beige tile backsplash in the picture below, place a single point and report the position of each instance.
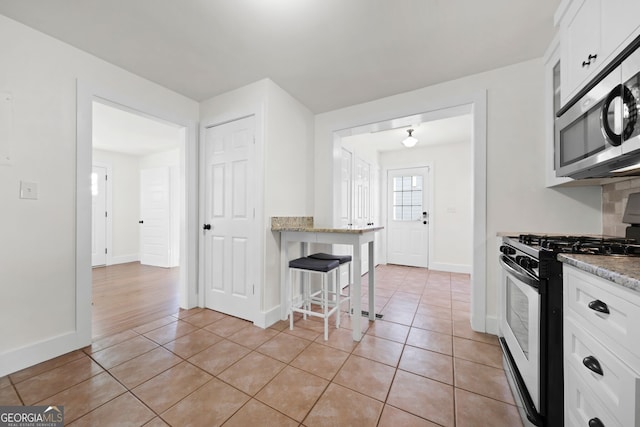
(614, 201)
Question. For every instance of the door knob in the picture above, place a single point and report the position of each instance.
(206, 227)
(141, 222)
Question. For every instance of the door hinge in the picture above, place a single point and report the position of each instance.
(106, 177)
(254, 139)
(105, 250)
(106, 214)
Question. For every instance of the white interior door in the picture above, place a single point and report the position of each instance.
(408, 217)
(155, 216)
(98, 216)
(229, 230)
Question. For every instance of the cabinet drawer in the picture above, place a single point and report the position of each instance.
(619, 325)
(617, 386)
(581, 405)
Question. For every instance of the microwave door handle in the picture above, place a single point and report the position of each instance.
(523, 277)
(622, 92)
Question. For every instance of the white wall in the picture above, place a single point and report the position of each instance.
(517, 199)
(40, 316)
(284, 130)
(451, 213)
(125, 181)
(288, 179)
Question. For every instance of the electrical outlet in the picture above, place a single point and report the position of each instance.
(28, 190)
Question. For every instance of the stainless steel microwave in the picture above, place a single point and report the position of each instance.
(598, 132)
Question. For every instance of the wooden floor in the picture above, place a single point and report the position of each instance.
(129, 295)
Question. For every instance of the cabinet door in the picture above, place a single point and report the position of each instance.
(552, 105)
(619, 23)
(580, 43)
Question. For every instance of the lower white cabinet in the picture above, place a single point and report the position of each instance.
(601, 358)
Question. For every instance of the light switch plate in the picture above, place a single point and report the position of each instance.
(28, 190)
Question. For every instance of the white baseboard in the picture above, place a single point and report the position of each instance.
(268, 318)
(18, 359)
(451, 268)
(123, 259)
(492, 325)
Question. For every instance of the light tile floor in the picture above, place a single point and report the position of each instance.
(421, 365)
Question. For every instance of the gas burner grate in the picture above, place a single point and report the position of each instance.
(583, 244)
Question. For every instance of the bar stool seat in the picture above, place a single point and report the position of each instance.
(328, 306)
(343, 260)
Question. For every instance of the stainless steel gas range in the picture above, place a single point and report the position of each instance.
(531, 317)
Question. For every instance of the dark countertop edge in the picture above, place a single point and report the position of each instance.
(353, 230)
(626, 273)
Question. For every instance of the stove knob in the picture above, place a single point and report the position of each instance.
(524, 261)
(507, 250)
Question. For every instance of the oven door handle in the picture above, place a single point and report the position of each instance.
(514, 269)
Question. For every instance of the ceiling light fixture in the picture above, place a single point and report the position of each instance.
(409, 141)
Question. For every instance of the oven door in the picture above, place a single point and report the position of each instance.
(520, 324)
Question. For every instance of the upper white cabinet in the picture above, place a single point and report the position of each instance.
(580, 44)
(620, 22)
(553, 92)
(592, 32)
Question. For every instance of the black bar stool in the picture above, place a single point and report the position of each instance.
(343, 260)
(306, 299)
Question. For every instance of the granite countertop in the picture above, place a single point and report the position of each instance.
(623, 270)
(305, 224)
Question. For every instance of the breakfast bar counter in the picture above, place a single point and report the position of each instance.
(302, 230)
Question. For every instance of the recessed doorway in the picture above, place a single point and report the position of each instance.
(136, 226)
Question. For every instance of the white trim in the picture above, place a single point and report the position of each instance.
(450, 268)
(492, 323)
(123, 259)
(476, 103)
(87, 93)
(17, 359)
(268, 318)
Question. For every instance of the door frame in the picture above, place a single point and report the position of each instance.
(260, 318)
(384, 212)
(86, 93)
(109, 208)
(404, 114)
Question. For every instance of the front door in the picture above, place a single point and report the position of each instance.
(155, 217)
(230, 249)
(408, 217)
(98, 216)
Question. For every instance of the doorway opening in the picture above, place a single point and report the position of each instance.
(473, 108)
(137, 202)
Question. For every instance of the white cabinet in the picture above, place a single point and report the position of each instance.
(620, 23)
(581, 53)
(592, 32)
(601, 351)
(553, 94)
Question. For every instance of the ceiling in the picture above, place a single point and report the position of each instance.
(115, 129)
(328, 54)
(450, 130)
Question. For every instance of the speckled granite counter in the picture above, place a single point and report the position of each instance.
(305, 224)
(624, 271)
